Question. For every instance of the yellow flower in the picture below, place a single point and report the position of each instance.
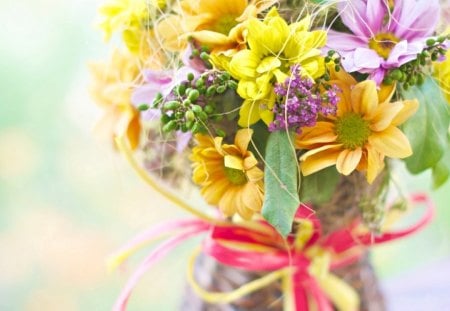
(363, 132)
(274, 46)
(228, 174)
(131, 17)
(111, 89)
(217, 24)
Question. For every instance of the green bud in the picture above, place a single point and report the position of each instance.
(420, 79)
(232, 84)
(187, 102)
(221, 133)
(203, 116)
(190, 76)
(165, 119)
(200, 82)
(189, 115)
(225, 76)
(434, 56)
(190, 124)
(157, 101)
(170, 126)
(326, 77)
(184, 128)
(181, 90)
(216, 117)
(331, 53)
(143, 107)
(193, 95)
(441, 39)
(195, 52)
(327, 59)
(430, 42)
(209, 109)
(221, 89)
(179, 115)
(337, 68)
(197, 109)
(396, 74)
(337, 61)
(388, 81)
(210, 91)
(195, 128)
(172, 105)
(406, 86)
(204, 56)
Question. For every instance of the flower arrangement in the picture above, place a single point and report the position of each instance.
(281, 113)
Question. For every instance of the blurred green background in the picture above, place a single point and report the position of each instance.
(67, 200)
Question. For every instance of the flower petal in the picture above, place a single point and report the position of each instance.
(409, 108)
(375, 163)
(348, 160)
(319, 158)
(384, 114)
(249, 113)
(365, 98)
(391, 142)
(322, 132)
(242, 138)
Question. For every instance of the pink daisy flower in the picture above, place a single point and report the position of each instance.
(385, 33)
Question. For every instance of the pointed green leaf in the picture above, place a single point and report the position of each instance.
(280, 182)
(441, 171)
(427, 129)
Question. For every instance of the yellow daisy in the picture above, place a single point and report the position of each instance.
(217, 24)
(361, 134)
(113, 83)
(228, 174)
(273, 47)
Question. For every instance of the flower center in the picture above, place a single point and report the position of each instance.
(352, 131)
(236, 177)
(224, 24)
(383, 43)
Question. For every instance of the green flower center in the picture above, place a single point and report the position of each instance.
(383, 43)
(236, 177)
(352, 131)
(224, 24)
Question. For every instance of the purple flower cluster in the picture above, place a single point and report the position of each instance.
(300, 102)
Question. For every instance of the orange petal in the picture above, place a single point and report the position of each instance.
(242, 139)
(322, 132)
(348, 160)
(391, 142)
(384, 115)
(409, 108)
(364, 97)
(254, 174)
(319, 160)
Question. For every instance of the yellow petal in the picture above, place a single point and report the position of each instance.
(252, 197)
(254, 174)
(384, 115)
(319, 158)
(348, 160)
(214, 192)
(249, 113)
(250, 161)
(209, 38)
(409, 108)
(234, 162)
(364, 97)
(375, 164)
(322, 132)
(391, 142)
(386, 92)
(243, 65)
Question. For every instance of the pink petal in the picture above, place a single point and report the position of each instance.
(341, 41)
(353, 14)
(414, 19)
(403, 52)
(362, 59)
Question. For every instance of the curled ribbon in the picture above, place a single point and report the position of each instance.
(303, 262)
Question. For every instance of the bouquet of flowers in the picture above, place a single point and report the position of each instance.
(289, 117)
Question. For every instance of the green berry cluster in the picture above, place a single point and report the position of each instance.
(334, 58)
(191, 105)
(413, 72)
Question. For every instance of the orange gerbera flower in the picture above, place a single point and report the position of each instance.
(361, 134)
(228, 174)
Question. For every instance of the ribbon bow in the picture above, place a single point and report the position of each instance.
(303, 261)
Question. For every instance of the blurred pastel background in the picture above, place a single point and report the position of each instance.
(67, 200)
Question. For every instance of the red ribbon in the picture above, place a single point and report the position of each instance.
(277, 253)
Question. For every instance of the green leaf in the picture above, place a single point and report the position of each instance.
(280, 182)
(441, 171)
(319, 187)
(427, 129)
